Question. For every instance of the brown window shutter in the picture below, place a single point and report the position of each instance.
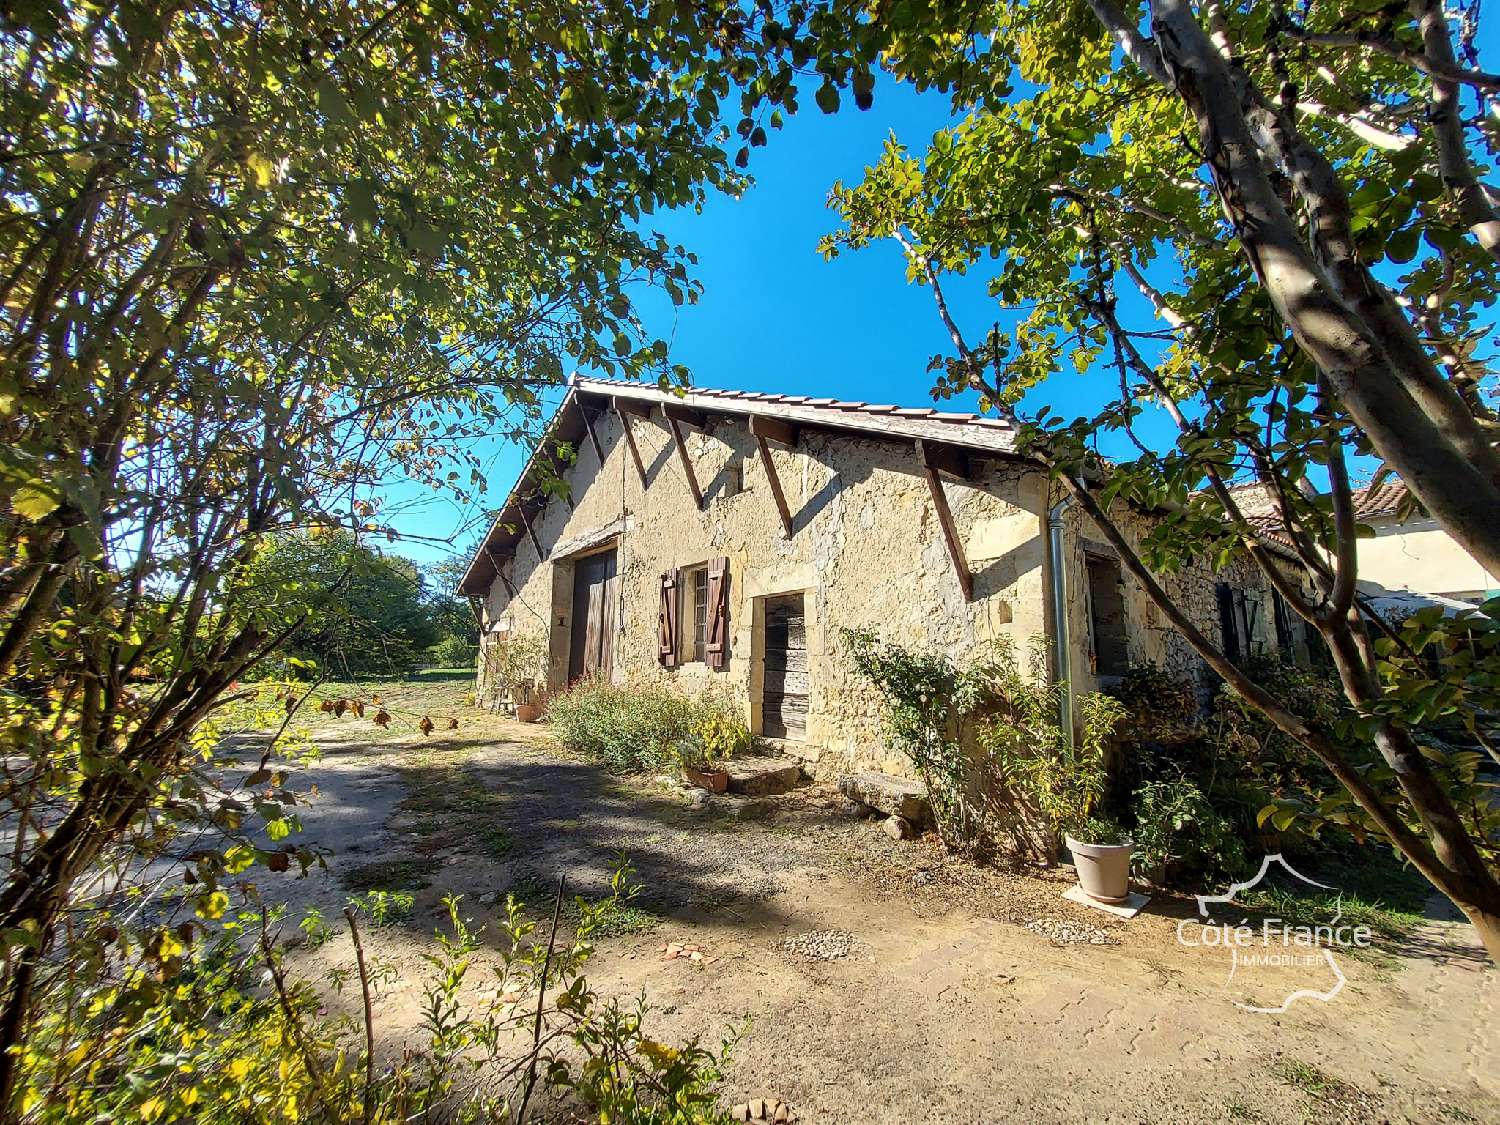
(717, 647)
(666, 622)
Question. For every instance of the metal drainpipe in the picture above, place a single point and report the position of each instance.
(1061, 647)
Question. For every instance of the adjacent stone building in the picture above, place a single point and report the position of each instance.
(721, 540)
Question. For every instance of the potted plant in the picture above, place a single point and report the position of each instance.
(702, 765)
(520, 664)
(1066, 782)
(1178, 829)
(1101, 856)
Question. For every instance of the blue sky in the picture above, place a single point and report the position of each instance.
(774, 315)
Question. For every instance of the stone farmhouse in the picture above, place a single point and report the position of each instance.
(721, 540)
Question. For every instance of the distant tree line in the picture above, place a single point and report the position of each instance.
(368, 612)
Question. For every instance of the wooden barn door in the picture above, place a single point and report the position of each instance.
(784, 695)
(595, 586)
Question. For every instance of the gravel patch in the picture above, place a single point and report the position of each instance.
(1062, 931)
(819, 945)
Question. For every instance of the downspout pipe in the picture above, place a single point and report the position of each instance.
(1061, 648)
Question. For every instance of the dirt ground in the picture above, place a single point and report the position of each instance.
(928, 989)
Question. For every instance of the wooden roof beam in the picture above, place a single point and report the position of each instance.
(685, 415)
(944, 458)
(687, 462)
(631, 406)
(530, 531)
(773, 429)
(625, 408)
(774, 481)
(932, 464)
(588, 424)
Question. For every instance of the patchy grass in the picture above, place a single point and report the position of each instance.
(408, 874)
(456, 809)
(619, 918)
(1330, 1098)
(1372, 888)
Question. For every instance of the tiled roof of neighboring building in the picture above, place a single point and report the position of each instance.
(1380, 499)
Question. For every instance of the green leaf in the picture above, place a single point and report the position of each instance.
(827, 97)
(35, 501)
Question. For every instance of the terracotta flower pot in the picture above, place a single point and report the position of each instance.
(1103, 869)
(715, 781)
(528, 712)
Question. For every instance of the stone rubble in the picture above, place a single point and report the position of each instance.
(761, 1109)
(1062, 931)
(898, 828)
(819, 945)
(694, 954)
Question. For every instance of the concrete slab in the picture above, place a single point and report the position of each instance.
(1127, 909)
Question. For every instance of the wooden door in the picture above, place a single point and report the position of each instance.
(784, 692)
(595, 594)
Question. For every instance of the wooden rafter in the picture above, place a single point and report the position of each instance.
(773, 429)
(588, 424)
(775, 482)
(945, 520)
(625, 408)
(521, 508)
(687, 462)
(631, 406)
(497, 561)
(943, 458)
(685, 415)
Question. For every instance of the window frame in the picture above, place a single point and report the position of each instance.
(692, 614)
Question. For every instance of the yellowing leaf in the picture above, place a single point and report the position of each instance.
(261, 168)
(34, 501)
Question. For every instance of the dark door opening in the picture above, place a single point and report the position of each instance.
(595, 586)
(1108, 633)
(784, 692)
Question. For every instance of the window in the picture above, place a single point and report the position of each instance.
(694, 615)
(1108, 640)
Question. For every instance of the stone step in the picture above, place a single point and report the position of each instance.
(763, 777)
(893, 796)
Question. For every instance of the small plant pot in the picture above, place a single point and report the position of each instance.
(1103, 869)
(528, 712)
(715, 781)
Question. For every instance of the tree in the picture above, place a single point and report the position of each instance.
(254, 260)
(1295, 198)
(457, 625)
(363, 611)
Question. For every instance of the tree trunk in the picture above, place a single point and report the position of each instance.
(1439, 451)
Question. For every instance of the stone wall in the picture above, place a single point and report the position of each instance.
(867, 552)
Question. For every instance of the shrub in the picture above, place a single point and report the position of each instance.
(935, 705)
(452, 652)
(1175, 821)
(221, 1031)
(634, 727)
(1159, 707)
(515, 664)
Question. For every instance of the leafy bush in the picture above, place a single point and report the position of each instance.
(1175, 821)
(220, 1032)
(516, 664)
(1158, 706)
(934, 706)
(634, 727)
(452, 652)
